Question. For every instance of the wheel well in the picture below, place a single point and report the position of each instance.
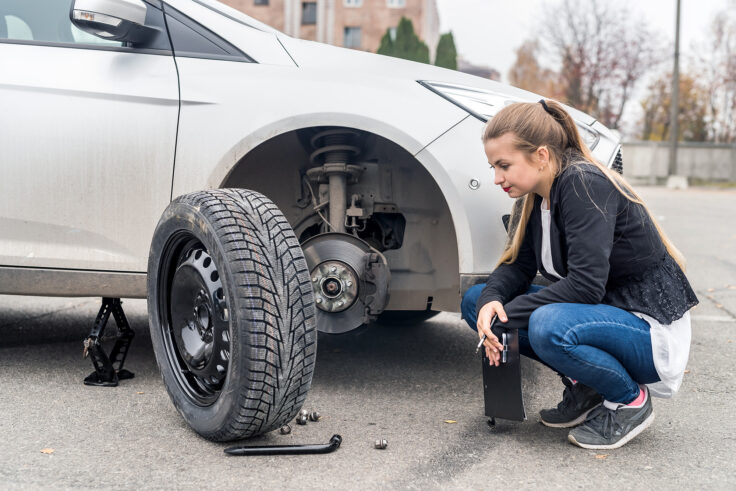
(425, 268)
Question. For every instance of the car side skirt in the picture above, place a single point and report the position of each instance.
(71, 283)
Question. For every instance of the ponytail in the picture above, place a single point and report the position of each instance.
(547, 123)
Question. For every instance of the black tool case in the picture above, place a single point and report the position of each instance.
(502, 384)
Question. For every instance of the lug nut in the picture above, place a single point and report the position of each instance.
(314, 416)
(285, 430)
(381, 444)
(318, 300)
(349, 283)
(303, 412)
(301, 420)
(314, 280)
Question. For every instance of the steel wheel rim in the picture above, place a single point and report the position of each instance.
(194, 319)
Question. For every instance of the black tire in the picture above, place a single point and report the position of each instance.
(237, 359)
(402, 317)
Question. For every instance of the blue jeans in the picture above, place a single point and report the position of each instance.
(604, 347)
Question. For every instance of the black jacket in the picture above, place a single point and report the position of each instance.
(604, 246)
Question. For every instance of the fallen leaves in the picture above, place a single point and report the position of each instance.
(47, 451)
(140, 392)
(450, 421)
(687, 371)
(710, 290)
(601, 456)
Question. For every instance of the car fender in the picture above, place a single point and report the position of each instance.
(229, 108)
(406, 140)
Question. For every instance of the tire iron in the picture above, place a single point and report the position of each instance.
(333, 445)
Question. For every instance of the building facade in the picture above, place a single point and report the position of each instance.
(357, 24)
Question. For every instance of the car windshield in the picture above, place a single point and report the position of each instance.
(237, 16)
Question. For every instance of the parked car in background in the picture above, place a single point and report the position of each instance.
(254, 187)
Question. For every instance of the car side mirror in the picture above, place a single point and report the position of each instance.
(116, 20)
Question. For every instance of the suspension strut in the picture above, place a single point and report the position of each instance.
(334, 150)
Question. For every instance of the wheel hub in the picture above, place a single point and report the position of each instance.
(335, 286)
(197, 337)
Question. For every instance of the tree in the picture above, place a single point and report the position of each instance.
(715, 64)
(446, 56)
(526, 73)
(387, 45)
(692, 115)
(406, 45)
(602, 52)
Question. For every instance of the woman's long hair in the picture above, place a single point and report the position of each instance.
(534, 125)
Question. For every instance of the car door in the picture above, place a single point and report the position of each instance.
(87, 140)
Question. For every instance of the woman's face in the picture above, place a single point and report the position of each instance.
(514, 170)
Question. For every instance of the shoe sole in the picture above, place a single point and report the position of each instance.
(569, 424)
(643, 426)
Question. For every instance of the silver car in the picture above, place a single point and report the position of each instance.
(254, 187)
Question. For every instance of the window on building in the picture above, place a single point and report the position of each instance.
(353, 3)
(351, 37)
(260, 2)
(396, 4)
(309, 13)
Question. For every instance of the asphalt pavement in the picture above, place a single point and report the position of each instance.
(417, 386)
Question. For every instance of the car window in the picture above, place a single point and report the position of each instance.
(15, 28)
(45, 21)
(191, 39)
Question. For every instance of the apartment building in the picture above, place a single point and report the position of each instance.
(357, 24)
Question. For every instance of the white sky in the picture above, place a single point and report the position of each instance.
(487, 32)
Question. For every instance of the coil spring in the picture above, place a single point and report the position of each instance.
(333, 146)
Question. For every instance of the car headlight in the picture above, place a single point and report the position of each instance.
(484, 104)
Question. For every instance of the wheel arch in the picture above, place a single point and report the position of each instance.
(252, 150)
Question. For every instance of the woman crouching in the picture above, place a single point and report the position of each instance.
(614, 323)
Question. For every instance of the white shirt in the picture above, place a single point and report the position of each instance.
(670, 342)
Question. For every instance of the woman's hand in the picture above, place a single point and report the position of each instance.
(493, 347)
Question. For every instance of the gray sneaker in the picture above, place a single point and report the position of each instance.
(577, 401)
(608, 429)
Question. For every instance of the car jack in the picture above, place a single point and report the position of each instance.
(108, 369)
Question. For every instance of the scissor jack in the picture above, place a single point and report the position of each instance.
(109, 369)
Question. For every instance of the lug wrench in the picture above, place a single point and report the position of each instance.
(335, 442)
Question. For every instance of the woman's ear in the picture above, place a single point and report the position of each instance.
(543, 155)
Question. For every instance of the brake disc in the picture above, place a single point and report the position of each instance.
(347, 290)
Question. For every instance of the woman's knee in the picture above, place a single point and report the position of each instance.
(547, 327)
(469, 304)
